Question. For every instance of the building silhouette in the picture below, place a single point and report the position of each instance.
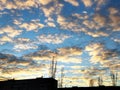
(43, 84)
(29, 84)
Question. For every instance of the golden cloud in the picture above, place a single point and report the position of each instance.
(45, 2)
(73, 2)
(100, 20)
(98, 53)
(87, 3)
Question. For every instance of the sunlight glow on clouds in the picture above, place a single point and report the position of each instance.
(82, 35)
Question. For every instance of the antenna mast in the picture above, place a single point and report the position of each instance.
(53, 67)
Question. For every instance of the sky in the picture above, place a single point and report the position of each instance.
(83, 36)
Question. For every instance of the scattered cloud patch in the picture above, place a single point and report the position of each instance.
(53, 39)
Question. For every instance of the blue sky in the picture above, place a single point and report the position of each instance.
(83, 35)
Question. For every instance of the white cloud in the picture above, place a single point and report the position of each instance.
(5, 39)
(76, 67)
(116, 40)
(8, 33)
(22, 47)
(51, 24)
(53, 39)
(73, 2)
(22, 40)
(33, 25)
(21, 44)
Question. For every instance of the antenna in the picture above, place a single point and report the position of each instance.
(53, 67)
(114, 78)
(91, 82)
(100, 81)
(62, 75)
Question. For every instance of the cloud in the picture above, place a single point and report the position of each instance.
(10, 31)
(48, 11)
(22, 40)
(95, 25)
(17, 21)
(113, 64)
(100, 20)
(5, 4)
(5, 39)
(87, 3)
(22, 47)
(53, 9)
(69, 23)
(90, 24)
(115, 21)
(53, 39)
(65, 55)
(77, 67)
(82, 23)
(73, 2)
(116, 40)
(113, 11)
(81, 16)
(100, 3)
(45, 2)
(51, 24)
(98, 53)
(13, 67)
(33, 25)
(41, 55)
(69, 55)
(69, 51)
(22, 44)
(97, 34)
(61, 20)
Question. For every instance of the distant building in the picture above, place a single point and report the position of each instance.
(30, 84)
